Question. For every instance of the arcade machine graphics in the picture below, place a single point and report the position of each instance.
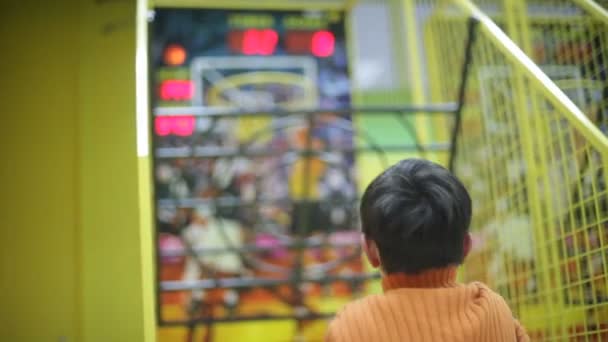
(251, 196)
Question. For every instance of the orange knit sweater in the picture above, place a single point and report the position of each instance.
(429, 306)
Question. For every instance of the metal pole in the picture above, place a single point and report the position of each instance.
(440, 108)
(468, 57)
(244, 283)
(229, 152)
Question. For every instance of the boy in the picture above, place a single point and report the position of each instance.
(415, 218)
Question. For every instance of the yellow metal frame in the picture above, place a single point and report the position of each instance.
(142, 122)
(593, 9)
(516, 21)
(426, 126)
(256, 5)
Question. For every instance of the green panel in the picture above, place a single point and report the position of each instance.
(384, 128)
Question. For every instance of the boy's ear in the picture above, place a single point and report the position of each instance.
(371, 251)
(467, 244)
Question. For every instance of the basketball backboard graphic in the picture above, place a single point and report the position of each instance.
(255, 82)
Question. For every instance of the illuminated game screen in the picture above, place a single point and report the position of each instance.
(242, 214)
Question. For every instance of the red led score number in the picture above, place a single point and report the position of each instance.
(264, 42)
(182, 126)
(254, 42)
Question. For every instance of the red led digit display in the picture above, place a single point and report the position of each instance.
(163, 125)
(176, 90)
(322, 44)
(264, 42)
(298, 42)
(253, 42)
(178, 125)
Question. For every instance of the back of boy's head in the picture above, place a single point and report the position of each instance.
(418, 214)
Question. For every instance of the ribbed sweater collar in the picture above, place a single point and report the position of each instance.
(434, 278)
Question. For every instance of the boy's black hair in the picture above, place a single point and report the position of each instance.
(418, 214)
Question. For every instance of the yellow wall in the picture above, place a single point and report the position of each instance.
(71, 254)
(39, 198)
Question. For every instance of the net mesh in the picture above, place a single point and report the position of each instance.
(536, 172)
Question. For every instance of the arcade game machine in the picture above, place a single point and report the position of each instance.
(253, 171)
(255, 147)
